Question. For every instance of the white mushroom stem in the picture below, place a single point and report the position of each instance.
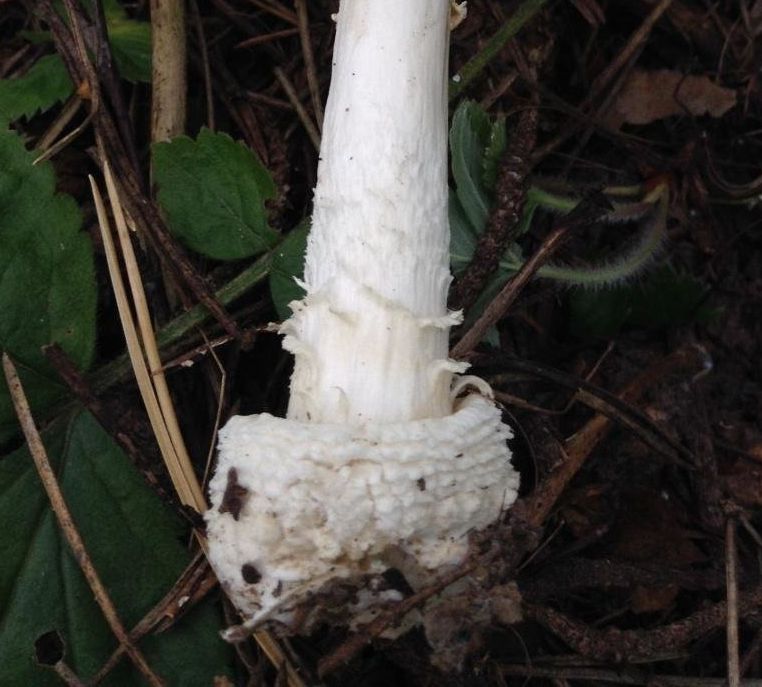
(377, 462)
(371, 337)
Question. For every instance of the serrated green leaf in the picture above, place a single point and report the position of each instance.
(664, 299)
(469, 134)
(45, 84)
(134, 542)
(47, 283)
(288, 266)
(213, 191)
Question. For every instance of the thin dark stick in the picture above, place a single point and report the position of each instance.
(608, 403)
(107, 73)
(505, 299)
(120, 426)
(205, 68)
(357, 642)
(309, 61)
(587, 212)
(615, 644)
(266, 38)
(293, 97)
(504, 219)
(731, 584)
(192, 586)
(66, 522)
(622, 676)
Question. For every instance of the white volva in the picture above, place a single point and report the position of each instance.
(376, 455)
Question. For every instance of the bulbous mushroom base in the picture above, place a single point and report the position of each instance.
(296, 505)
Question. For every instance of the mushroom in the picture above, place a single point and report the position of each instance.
(383, 460)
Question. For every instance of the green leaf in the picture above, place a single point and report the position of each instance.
(462, 236)
(288, 266)
(131, 48)
(496, 145)
(469, 136)
(135, 544)
(47, 284)
(45, 84)
(213, 191)
(130, 43)
(664, 299)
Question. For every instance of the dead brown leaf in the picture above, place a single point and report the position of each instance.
(648, 96)
(653, 527)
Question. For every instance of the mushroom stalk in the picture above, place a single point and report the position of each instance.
(371, 337)
(379, 463)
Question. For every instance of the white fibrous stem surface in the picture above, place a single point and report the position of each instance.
(376, 455)
(371, 337)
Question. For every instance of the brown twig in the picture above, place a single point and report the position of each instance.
(276, 10)
(504, 219)
(588, 211)
(206, 70)
(638, 37)
(538, 505)
(293, 98)
(67, 675)
(508, 295)
(195, 582)
(623, 676)
(120, 425)
(66, 522)
(614, 644)
(357, 642)
(614, 407)
(107, 74)
(266, 38)
(586, 573)
(309, 61)
(731, 584)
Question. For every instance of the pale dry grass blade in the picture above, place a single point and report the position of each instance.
(185, 490)
(188, 486)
